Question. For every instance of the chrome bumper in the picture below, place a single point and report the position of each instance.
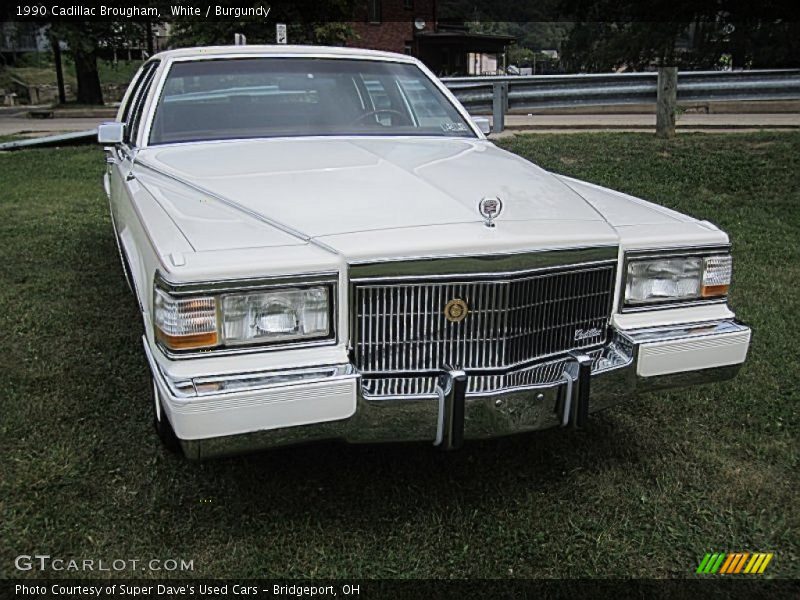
(633, 362)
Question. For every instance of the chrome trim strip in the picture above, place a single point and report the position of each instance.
(178, 288)
(486, 265)
(250, 381)
(261, 380)
(568, 399)
(669, 305)
(678, 251)
(236, 350)
(690, 330)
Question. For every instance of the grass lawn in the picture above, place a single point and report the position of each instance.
(42, 72)
(644, 491)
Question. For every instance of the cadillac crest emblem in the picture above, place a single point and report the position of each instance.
(456, 310)
(490, 208)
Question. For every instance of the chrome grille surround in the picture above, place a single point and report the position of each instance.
(401, 336)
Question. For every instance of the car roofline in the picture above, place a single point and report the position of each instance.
(280, 50)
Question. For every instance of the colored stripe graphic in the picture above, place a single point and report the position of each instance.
(710, 563)
(740, 564)
(727, 564)
(734, 563)
(704, 564)
(764, 564)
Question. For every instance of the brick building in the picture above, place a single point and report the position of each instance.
(411, 27)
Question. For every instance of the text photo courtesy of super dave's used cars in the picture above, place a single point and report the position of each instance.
(325, 245)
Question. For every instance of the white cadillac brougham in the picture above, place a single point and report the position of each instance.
(324, 245)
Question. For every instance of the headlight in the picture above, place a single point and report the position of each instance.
(290, 314)
(677, 279)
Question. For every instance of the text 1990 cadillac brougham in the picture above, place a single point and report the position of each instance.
(324, 245)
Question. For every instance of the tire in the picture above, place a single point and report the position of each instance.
(162, 425)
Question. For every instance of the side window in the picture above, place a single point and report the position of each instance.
(374, 11)
(137, 106)
(135, 84)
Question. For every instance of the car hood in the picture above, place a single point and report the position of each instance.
(369, 199)
(329, 187)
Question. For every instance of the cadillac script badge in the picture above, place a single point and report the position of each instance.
(456, 310)
(490, 208)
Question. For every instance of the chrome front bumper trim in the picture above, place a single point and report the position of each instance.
(586, 385)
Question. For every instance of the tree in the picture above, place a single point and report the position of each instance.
(531, 39)
(611, 34)
(308, 22)
(85, 41)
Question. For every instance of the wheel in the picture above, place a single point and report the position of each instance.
(162, 425)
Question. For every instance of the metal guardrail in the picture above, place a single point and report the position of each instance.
(478, 94)
(63, 139)
(499, 94)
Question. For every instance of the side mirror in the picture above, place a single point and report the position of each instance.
(110, 133)
(483, 124)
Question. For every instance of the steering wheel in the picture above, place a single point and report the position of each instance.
(378, 111)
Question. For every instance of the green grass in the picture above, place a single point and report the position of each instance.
(43, 72)
(644, 491)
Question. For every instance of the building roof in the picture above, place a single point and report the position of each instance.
(466, 35)
(466, 40)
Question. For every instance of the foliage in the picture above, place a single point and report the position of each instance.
(520, 56)
(86, 41)
(644, 491)
(321, 22)
(613, 34)
(531, 35)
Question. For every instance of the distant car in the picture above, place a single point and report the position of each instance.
(324, 245)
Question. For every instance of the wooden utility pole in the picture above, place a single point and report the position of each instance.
(666, 101)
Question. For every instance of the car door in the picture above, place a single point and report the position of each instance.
(120, 159)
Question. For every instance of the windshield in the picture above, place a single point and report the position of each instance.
(270, 97)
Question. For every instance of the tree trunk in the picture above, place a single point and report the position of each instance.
(56, 44)
(148, 31)
(89, 90)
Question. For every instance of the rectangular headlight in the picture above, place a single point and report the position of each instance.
(677, 279)
(215, 320)
(273, 316)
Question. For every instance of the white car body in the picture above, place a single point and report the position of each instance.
(344, 209)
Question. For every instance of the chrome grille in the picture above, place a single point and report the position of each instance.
(400, 327)
(541, 374)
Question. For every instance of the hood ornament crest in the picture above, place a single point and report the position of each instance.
(490, 208)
